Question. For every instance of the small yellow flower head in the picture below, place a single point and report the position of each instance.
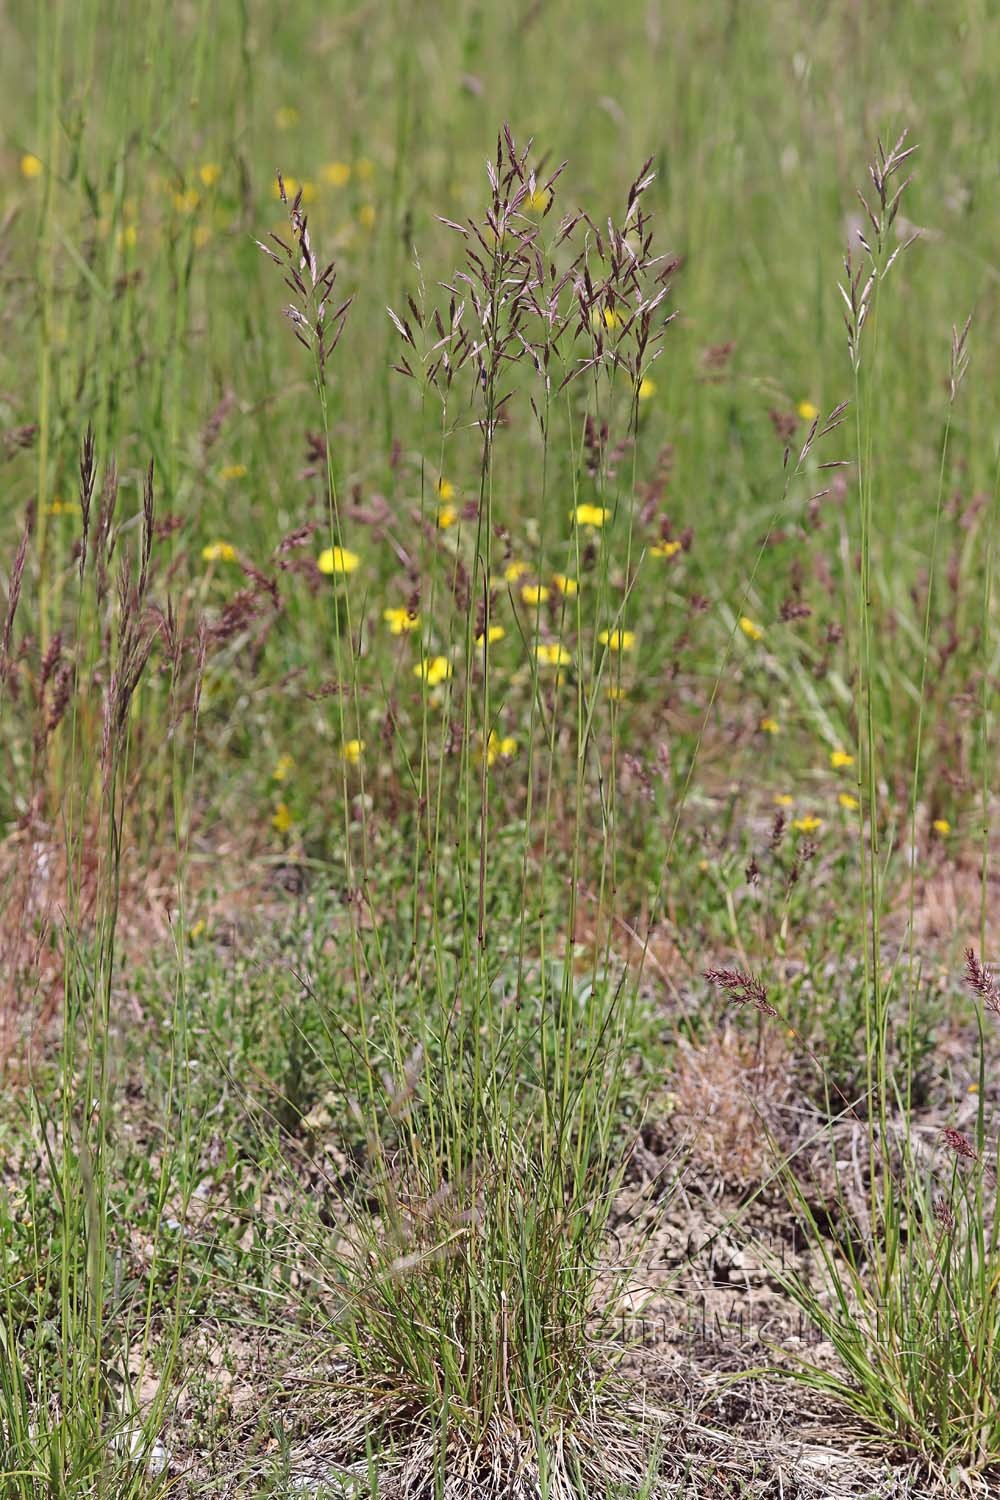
(291, 187)
(399, 619)
(446, 489)
(552, 654)
(197, 930)
(187, 201)
(287, 117)
(647, 388)
(283, 767)
(538, 201)
(807, 411)
(61, 507)
(31, 166)
(366, 216)
(841, 759)
(282, 820)
(351, 751)
(308, 192)
(605, 315)
(941, 826)
(750, 629)
(665, 549)
(851, 804)
(782, 799)
(233, 471)
(202, 236)
(337, 560)
(219, 552)
(515, 570)
(336, 174)
(770, 726)
(447, 516)
(808, 824)
(534, 594)
(617, 693)
(127, 237)
(498, 748)
(589, 515)
(209, 172)
(433, 670)
(568, 587)
(617, 640)
(494, 634)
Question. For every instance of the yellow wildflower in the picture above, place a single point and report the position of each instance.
(291, 187)
(187, 200)
(941, 826)
(494, 634)
(770, 726)
(31, 166)
(447, 516)
(336, 174)
(807, 411)
(782, 799)
(538, 201)
(209, 172)
(498, 748)
(233, 471)
(750, 629)
(605, 315)
(337, 560)
(616, 692)
(515, 570)
(433, 670)
(219, 552)
(351, 751)
(366, 216)
(282, 819)
(589, 515)
(61, 507)
(283, 767)
(568, 587)
(197, 929)
(446, 489)
(808, 824)
(665, 549)
(839, 759)
(399, 619)
(647, 388)
(287, 117)
(534, 594)
(847, 801)
(617, 640)
(552, 654)
(127, 237)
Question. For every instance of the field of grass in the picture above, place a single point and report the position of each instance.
(497, 690)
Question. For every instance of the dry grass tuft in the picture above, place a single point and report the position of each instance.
(724, 1092)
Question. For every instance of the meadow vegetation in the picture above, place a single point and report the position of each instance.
(497, 673)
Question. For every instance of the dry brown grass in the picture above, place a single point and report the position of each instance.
(723, 1092)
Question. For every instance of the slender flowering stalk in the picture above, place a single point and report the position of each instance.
(742, 987)
(979, 978)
